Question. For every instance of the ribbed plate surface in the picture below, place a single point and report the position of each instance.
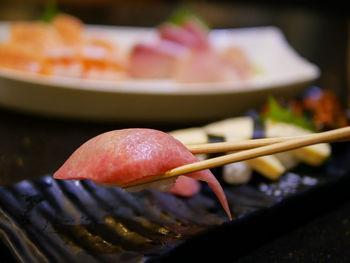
(47, 220)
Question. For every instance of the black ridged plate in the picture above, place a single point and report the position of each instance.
(47, 220)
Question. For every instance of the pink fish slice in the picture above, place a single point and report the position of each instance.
(185, 186)
(124, 156)
(154, 60)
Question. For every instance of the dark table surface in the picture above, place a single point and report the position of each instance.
(32, 146)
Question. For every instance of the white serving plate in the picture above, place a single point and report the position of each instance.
(283, 73)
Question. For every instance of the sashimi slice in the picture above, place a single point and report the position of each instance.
(198, 29)
(38, 35)
(190, 34)
(154, 60)
(69, 28)
(21, 57)
(177, 34)
(129, 155)
(204, 66)
(238, 59)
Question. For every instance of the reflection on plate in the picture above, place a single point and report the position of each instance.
(281, 71)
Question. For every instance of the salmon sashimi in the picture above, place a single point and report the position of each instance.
(60, 48)
(21, 57)
(129, 155)
(38, 35)
(69, 28)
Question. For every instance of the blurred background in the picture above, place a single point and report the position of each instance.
(318, 30)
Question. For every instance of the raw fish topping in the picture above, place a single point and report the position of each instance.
(180, 52)
(123, 156)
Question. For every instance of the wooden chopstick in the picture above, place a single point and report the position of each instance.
(280, 145)
(219, 147)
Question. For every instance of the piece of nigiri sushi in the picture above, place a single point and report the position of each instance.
(129, 155)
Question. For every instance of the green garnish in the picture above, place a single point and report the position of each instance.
(50, 11)
(182, 14)
(280, 114)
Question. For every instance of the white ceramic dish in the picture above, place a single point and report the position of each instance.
(283, 73)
